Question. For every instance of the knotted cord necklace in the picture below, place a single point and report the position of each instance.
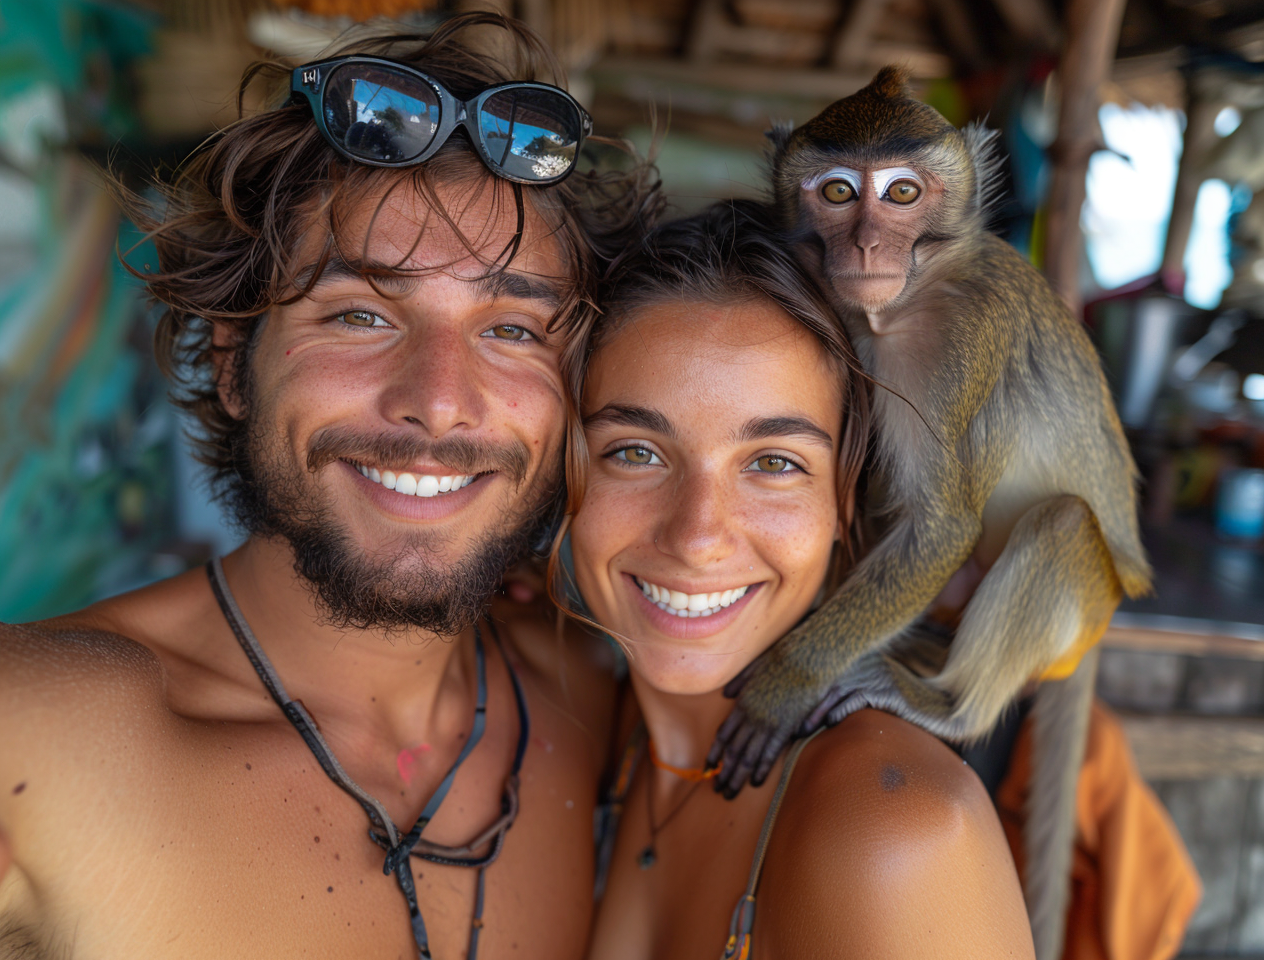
(400, 846)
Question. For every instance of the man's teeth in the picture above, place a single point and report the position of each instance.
(415, 485)
(690, 604)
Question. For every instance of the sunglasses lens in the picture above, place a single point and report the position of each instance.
(530, 134)
(377, 113)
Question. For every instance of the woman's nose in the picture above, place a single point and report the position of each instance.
(697, 530)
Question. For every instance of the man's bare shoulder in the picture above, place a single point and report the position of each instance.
(121, 649)
(888, 813)
(572, 668)
(550, 642)
(77, 655)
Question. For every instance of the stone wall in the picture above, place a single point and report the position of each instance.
(1220, 818)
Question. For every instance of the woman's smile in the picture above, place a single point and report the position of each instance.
(690, 616)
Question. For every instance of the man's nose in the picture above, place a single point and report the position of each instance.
(434, 383)
(698, 529)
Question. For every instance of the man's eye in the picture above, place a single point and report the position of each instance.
(361, 318)
(773, 464)
(641, 456)
(509, 331)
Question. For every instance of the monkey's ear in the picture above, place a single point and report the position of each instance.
(780, 135)
(891, 82)
(981, 145)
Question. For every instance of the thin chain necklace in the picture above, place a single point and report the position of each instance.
(649, 856)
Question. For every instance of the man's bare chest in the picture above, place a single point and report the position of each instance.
(212, 840)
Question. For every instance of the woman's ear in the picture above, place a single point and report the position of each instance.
(225, 342)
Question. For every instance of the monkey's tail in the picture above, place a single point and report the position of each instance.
(1060, 716)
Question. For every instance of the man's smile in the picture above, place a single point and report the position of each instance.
(416, 484)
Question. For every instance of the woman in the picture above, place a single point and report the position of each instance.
(711, 502)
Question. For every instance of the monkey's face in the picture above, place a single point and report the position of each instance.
(864, 224)
(711, 506)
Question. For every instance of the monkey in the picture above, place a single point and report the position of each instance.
(996, 446)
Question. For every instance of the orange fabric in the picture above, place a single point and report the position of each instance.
(1066, 665)
(1133, 886)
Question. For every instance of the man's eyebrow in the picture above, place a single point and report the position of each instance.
(389, 277)
(762, 428)
(615, 414)
(518, 286)
(337, 269)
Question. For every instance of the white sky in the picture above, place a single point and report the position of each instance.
(1125, 219)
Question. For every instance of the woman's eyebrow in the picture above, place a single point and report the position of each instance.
(617, 414)
(762, 428)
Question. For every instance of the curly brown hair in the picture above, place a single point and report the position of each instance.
(230, 226)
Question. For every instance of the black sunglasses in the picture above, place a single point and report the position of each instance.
(388, 114)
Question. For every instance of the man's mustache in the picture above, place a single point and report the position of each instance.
(461, 454)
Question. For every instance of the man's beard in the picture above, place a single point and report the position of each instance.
(418, 586)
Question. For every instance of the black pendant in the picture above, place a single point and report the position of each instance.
(647, 858)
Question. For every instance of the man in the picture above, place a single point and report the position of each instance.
(368, 315)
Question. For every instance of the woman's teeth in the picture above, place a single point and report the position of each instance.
(414, 485)
(689, 604)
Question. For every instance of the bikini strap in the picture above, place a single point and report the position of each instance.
(738, 946)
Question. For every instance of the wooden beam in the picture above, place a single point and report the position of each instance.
(1182, 642)
(851, 45)
(1031, 22)
(1200, 135)
(1092, 31)
(1193, 748)
(707, 30)
(640, 78)
(957, 23)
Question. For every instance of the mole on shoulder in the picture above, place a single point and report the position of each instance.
(892, 778)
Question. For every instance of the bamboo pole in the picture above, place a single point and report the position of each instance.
(1092, 35)
(1200, 135)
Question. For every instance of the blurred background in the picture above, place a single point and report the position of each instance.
(1133, 136)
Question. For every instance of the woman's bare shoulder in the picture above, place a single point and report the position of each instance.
(888, 840)
(876, 762)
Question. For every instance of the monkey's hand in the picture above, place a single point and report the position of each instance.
(750, 747)
(786, 700)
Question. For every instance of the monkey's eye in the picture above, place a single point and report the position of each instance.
(838, 191)
(903, 191)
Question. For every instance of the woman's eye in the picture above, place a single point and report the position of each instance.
(509, 331)
(641, 456)
(773, 464)
(903, 191)
(361, 318)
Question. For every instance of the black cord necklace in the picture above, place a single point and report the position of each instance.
(649, 856)
(400, 847)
